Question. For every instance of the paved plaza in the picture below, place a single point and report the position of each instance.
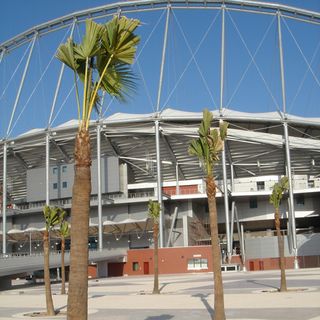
(248, 295)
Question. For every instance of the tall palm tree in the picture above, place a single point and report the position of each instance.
(275, 198)
(52, 216)
(102, 62)
(154, 214)
(64, 232)
(207, 148)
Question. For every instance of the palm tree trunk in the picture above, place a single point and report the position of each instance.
(155, 259)
(283, 283)
(63, 271)
(78, 280)
(49, 301)
(219, 313)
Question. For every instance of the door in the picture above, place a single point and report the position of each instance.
(146, 268)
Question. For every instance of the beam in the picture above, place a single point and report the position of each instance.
(164, 49)
(61, 151)
(172, 155)
(115, 150)
(19, 158)
(144, 5)
(26, 67)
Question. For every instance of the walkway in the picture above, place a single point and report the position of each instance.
(247, 296)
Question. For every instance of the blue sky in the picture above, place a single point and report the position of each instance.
(189, 84)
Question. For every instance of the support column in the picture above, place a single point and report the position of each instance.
(291, 217)
(157, 133)
(177, 179)
(224, 169)
(21, 85)
(4, 200)
(243, 250)
(100, 226)
(59, 82)
(287, 147)
(232, 177)
(226, 205)
(159, 184)
(48, 169)
(164, 49)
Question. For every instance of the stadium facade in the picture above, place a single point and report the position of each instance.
(258, 152)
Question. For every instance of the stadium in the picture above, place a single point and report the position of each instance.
(274, 130)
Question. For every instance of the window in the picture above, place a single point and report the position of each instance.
(135, 266)
(300, 200)
(55, 170)
(260, 185)
(64, 169)
(197, 264)
(55, 186)
(64, 184)
(310, 183)
(253, 203)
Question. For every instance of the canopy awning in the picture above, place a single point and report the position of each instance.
(109, 227)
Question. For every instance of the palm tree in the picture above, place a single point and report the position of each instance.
(52, 216)
(64, 232)
(154, 214)
(277, 193)
(102, 62)
(207, 148)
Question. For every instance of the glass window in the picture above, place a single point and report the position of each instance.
(135, 266)
(55, 186)
(260, 185)
(197, 264)
(300, 200)
(64, 169)
(64, 184)
(253, 203)
(55, 170)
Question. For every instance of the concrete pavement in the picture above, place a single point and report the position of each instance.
(248, 295)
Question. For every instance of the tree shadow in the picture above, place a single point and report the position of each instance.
(161, 317)
(203, 298)
(60, 308)
(163, 286)
(262, 284)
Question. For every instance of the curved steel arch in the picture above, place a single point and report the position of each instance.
(143, 5)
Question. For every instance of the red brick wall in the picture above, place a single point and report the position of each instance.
(171, 260)
(175, 260)
(92, 271)
(188, 189)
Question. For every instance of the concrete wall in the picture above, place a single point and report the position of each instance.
(61, 180)
(267, 247)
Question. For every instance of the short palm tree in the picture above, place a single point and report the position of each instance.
(64, 232)
(207, 148)
(154, 214)
(275, 199)
(102, 62)
(52, 216)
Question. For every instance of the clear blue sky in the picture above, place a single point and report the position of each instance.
(245, 89)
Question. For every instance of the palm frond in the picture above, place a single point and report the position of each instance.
(119, 80)
(65, 54)
(90, 44)
(119, 39)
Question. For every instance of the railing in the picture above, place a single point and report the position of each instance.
(302, 183)
(143, 194)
